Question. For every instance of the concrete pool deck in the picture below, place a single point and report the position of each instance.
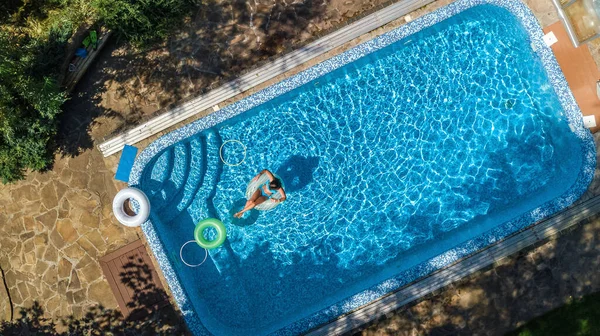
(54, 227)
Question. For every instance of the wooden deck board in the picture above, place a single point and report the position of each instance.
(121, 291)
(130, 272)
(121, 262)
(112, 280)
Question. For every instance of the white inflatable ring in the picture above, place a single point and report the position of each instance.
(181, 255)
(229, 163)
(119, 207)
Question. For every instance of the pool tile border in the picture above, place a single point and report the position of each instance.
(556, 78)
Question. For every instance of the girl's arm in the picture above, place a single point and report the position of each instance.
(266, 190)
(283, 195)
(262, 172)
(268, 173)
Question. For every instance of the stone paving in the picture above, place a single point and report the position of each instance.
(53, 228)
(55, 225)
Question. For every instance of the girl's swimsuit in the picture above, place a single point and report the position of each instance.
(262, 190)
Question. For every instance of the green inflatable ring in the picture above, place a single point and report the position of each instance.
(205, 224)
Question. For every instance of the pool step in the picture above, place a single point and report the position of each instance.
(160, 169)
(215, 175)
(200, 203)
(197, 172)
(179, 174)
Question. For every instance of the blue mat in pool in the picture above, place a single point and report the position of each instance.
(126, 163)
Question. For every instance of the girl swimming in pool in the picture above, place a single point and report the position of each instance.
(264, 192)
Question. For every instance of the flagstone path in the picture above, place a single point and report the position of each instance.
(53, 228)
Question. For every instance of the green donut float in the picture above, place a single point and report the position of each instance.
(210, 223)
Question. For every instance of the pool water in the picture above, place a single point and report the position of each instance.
(388, 161)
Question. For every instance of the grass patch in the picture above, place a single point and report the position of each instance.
(578, 317)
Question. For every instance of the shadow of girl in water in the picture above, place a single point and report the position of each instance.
(245, 220)
(297, 172)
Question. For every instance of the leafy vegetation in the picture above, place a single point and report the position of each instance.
(34, 36)
(576, 318)
(143, 21)
(30, 100)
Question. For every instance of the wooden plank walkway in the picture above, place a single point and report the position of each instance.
(261, 74)
(133, 280)
(442, 278)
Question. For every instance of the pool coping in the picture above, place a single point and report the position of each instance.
(426, 268)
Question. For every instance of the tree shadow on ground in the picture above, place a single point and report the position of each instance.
(149, 312)
(220, 40)
(499, 299)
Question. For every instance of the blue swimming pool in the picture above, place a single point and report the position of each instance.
(422, 149)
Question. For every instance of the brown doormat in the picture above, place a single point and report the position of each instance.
(134, 281)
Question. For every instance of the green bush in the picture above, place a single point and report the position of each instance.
(34, 35)
(143, 21)
(30, 100)
(580, 317)
(33, 39)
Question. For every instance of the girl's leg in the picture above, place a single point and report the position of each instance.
(260, 200)
(254, 196)
(250, 206)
